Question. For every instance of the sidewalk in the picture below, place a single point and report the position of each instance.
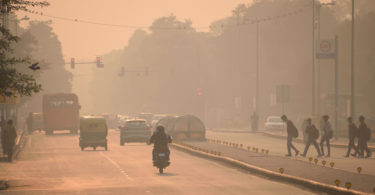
(292, 166)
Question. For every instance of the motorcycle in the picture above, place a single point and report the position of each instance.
(162, 160)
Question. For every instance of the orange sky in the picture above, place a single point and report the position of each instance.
(85, 41)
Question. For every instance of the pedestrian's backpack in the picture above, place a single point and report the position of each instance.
(314, 132)
(294, 130)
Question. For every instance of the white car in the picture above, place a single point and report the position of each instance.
(274, 123)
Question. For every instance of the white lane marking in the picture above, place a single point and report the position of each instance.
(117, 166)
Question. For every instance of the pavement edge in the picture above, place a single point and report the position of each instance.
(310, 184)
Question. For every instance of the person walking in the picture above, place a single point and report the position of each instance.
(292, 132)
(8, 137)
(364, 136)
(3, 123)
(327, 135)
(312, 135)
(353, 133)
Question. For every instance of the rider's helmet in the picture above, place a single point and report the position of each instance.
(160, 129)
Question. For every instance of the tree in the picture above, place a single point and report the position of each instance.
(12, 79)
(23, 84)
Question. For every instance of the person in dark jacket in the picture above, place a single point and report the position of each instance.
(353, 132)
(8, 138)
(312, 134)
(363, 132)
(290, 131)
(3, 123)
(160, 140)
(327, 135)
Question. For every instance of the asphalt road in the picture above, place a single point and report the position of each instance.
(56, 165)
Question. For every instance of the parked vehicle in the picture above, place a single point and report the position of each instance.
(135, 130)
(93, 132)
(146, 116)
(156, 118)
(61, 112)
(34, 122)
(185, 127)
(274, 123)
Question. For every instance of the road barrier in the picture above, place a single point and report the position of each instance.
(337, 182)
(359, 169)
(332, 164)
(348, 185)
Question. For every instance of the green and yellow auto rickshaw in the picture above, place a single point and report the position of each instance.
(93, 132)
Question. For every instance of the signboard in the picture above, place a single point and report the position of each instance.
(9, 99)
(326, 49)
(282, 94)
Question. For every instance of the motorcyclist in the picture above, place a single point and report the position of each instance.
(160, 140)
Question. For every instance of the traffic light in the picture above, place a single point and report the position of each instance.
(72, 63)
(98, 63)
(199, 91)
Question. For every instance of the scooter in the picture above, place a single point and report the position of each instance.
(162, 160)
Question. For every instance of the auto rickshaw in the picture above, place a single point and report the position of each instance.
(93, 132)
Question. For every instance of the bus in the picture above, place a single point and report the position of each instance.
(61, 112)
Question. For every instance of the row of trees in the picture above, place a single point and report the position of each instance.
(221, 63)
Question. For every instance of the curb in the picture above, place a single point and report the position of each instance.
(372, 148)
(310, 184)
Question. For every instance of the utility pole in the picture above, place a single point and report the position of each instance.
(352, 100)
(336, 86)
(313, 60)
(318, 66)
(257, 70)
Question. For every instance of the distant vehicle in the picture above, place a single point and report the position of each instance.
(274, 123)
(93, 132)
(146, 116)
(34, 122)
(135, 130)
(156, 118)
(61, 112)
(185, 127)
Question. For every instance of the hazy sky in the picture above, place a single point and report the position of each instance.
(85, 41)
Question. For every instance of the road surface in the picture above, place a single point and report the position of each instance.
(56, 165)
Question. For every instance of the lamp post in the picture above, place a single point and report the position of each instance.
(352, 100)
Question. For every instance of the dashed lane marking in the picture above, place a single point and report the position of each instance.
(117, 166)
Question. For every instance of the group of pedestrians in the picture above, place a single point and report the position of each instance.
(8, 137)
(363, 133)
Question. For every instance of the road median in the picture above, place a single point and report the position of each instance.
(197, 150)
